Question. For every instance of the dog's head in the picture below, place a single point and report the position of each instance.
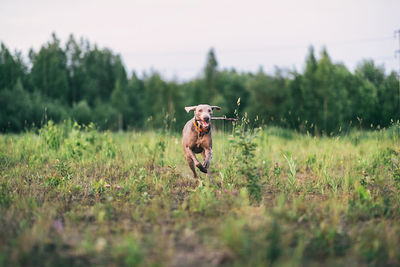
(203, 113)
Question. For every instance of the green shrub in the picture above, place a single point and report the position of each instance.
(82, 113)
(244, 142)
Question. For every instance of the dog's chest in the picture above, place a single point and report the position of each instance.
(201, 143)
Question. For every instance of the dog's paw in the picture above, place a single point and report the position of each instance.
(206, 164)
(201, 168)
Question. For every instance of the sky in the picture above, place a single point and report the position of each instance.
(174, 36)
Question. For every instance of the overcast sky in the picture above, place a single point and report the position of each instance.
(173, 37)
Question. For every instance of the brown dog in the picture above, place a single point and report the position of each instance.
(196, 137)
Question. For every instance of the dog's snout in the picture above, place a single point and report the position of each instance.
(206, 118)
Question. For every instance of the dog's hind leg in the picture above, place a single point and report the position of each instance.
(191, 165)
(203, 154)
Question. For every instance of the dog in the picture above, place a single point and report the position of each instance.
(196, 137)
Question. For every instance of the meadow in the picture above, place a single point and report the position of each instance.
(75, 195)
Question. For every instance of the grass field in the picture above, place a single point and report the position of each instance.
(72, 195)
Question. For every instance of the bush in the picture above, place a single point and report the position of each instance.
(105, 116)
(244, 142)
(82, 113)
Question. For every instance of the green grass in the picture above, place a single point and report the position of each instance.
(71, 195)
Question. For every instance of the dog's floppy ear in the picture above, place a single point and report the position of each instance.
(216, 107)
(190, 108)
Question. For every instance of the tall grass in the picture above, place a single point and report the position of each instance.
(73, 195)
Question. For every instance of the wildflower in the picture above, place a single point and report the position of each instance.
(58, 225)
(108, 185)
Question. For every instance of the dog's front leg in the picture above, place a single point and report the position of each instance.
(207, 160)
(190, 152)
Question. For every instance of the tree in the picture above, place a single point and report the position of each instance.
(74, 53)
(231, 86)
(210, 72)
(87, 83)
(12, 68)
(308, 85)
(390, 100)
(135, 94)
(101, 70)
(268, 97)
(120, 103)
(369, 84)
(49, 72)
(15, 108)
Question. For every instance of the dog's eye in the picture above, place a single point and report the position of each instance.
(209, 110)
(200, 110)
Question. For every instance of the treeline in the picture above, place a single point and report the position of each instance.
(85, 83)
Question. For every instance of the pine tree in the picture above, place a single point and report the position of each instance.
(120, 103)
(210, 72)
(49, 72)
